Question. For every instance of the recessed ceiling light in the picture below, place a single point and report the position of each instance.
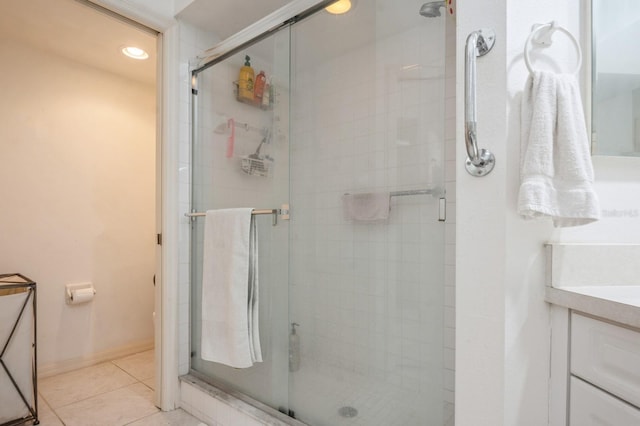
(339, 7)
(135, 52)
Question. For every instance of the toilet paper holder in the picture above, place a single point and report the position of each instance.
(79, 293)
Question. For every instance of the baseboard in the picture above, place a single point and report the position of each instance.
(93, 359)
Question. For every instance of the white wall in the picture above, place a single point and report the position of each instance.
(77, 150)
(615, 124)
(618, 187)
(502, 319)
(156, 14)
(480, 234)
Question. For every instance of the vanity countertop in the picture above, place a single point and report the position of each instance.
(616, 303)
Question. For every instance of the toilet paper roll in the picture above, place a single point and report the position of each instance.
(82, 295)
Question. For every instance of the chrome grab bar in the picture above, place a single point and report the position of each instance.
(480, 162)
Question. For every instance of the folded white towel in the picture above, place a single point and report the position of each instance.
(253, 302)
(367, 206)
(230, 333)
(555, 163)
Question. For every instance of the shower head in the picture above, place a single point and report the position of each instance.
(432, 9)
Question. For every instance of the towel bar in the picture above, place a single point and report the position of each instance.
(283, 211)
(410, 192)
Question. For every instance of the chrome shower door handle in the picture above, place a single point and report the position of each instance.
(480, 162)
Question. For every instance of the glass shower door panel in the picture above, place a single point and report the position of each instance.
(367, 117)
(229, 135)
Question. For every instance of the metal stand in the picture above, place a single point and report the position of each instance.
(13, 285)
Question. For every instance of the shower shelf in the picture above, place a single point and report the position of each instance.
(253, 102)
(256, 166)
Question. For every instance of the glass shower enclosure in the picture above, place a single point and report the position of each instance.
(354, 113)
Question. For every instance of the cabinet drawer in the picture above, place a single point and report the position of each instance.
(591, 406)
(607, 356)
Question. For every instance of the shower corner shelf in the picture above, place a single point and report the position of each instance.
(256, 103)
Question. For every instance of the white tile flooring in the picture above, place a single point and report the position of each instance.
(115, 393)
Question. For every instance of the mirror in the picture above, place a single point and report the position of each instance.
(616, 77)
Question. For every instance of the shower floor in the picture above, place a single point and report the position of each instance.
(388, 405)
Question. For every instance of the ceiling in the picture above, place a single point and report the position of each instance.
(226, 17)
(324, 35)
(80, 33)
(75, 31)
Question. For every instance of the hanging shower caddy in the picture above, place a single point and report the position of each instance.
(254, 102)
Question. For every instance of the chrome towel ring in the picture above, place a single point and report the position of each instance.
(541, 35)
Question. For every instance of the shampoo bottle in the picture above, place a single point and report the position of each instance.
(258, 87)
(294, 348)
(266, 96)
(245, 80)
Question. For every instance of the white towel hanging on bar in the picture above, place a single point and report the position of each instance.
(230, 333)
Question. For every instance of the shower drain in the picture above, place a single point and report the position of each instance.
(348, 412)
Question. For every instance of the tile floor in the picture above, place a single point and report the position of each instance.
(114, 393)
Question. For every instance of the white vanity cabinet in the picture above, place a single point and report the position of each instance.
(604, 368)
(590, 406)
(594, 295)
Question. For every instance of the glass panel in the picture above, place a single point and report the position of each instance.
(616, 78)
(255, 174)
(367, 117)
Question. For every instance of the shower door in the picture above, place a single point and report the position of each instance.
(240, 158)
(357, 107)
(367, 117)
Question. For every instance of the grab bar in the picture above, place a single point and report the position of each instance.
(480, 162)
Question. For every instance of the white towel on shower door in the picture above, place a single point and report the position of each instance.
(230, 332)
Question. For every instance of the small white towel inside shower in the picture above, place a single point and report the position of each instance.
(367, 207)
(230, 332)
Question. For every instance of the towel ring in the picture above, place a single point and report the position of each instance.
(545, 39)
